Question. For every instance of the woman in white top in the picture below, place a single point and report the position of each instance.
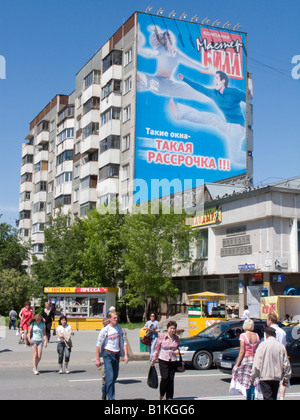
(64, 332)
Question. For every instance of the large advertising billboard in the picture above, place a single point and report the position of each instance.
(191, 105)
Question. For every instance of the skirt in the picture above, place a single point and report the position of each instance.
(240, 380)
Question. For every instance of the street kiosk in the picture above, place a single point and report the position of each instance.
(85, 307)
(205, 309)
(280, 306)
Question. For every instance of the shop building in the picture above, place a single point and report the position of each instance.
(249, 240)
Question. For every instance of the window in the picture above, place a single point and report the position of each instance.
(86, 208)
(50, 186)
(109, 171)
(77, 148)
(26, 178)
(67, 112)
(125, 201)
(40, 206)
(128, 57)
(125, 171)
(88, 182)
(23, 233)
(24, 214)
(66, 155)
(202, 244)
(41, 166)
(93, 77)
(38, 248)
(127, 85)
(64, 177)
(111, 142)
(113, 58)
(49, 208)
(112, 86)
(65, 134)
(76, 195)
(127, 113)
(63, 200)
(38, 227)
(25, 196)
(91, 129)
(126, 143)
(92, 103)
(27, 159)
(76, 171)
(112, 113)
(40, 186)
(42, 126)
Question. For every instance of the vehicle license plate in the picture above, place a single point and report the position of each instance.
(226, 365)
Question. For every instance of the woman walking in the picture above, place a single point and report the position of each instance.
(153, 328)
(240, 382)
(165, 350)
(64, 332)
(36, 338)
(25, 315)
(48, 315)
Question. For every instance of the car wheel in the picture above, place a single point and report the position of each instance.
(202, 360)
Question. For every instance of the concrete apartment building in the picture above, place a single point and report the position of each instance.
(81, 151)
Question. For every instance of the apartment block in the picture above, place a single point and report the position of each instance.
(90, 146)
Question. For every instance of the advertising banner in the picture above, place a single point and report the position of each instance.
(191, 105)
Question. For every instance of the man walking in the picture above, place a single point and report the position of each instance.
(111, 345)
(271, 365)
(12, 318)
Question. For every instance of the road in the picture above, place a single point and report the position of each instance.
(18, 382)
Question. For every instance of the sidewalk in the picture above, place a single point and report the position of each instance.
(84, 348)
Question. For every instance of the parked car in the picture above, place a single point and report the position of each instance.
(203, 349)
(227, 359)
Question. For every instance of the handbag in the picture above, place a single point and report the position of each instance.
(180, 364)
(146, 340)
(152, 380)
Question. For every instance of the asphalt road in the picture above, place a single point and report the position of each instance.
(84, 383)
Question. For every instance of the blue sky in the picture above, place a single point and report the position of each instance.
(46, 42)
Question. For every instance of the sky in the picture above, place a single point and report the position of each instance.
(44, 43)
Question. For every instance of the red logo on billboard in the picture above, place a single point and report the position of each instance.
(222, 51)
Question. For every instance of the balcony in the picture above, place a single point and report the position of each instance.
(90, 168)
(93, 90)
(42, 138)
(90, 144)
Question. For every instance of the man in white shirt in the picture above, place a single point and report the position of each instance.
(280, 333)
(111, 345)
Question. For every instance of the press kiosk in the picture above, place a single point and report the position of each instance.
(85, 307)
(205, 309)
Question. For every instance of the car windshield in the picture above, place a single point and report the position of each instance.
(213, 331)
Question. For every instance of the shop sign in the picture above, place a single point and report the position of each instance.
(208, 217)
(91, 289)
(237, 240)
(278, 278)
(247, 267)
(60, 290)
(239, 250)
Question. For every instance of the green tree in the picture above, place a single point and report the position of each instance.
(102, 257)
(157, 247)
(15, 289)
(12, 252)
(64, 244)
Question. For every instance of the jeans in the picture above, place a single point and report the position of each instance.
(12, 322)
(151, 348)
(111, 364)
(63, 351)
(167, 372)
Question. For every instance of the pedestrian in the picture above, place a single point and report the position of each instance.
(272, 321)
(240, 382)
(271, 365)
(64, 345)
(105, 322)
(246, 313)
(111, 345)
(25, 315)
(36, 338)
(111, 309)
(153, 327)
(12, 318)
(49, 316)
(165, 351)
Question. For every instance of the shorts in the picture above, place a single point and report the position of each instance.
(37, 343)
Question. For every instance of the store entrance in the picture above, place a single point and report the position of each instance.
(96, 308)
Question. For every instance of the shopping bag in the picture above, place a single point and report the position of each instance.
(152, 380)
